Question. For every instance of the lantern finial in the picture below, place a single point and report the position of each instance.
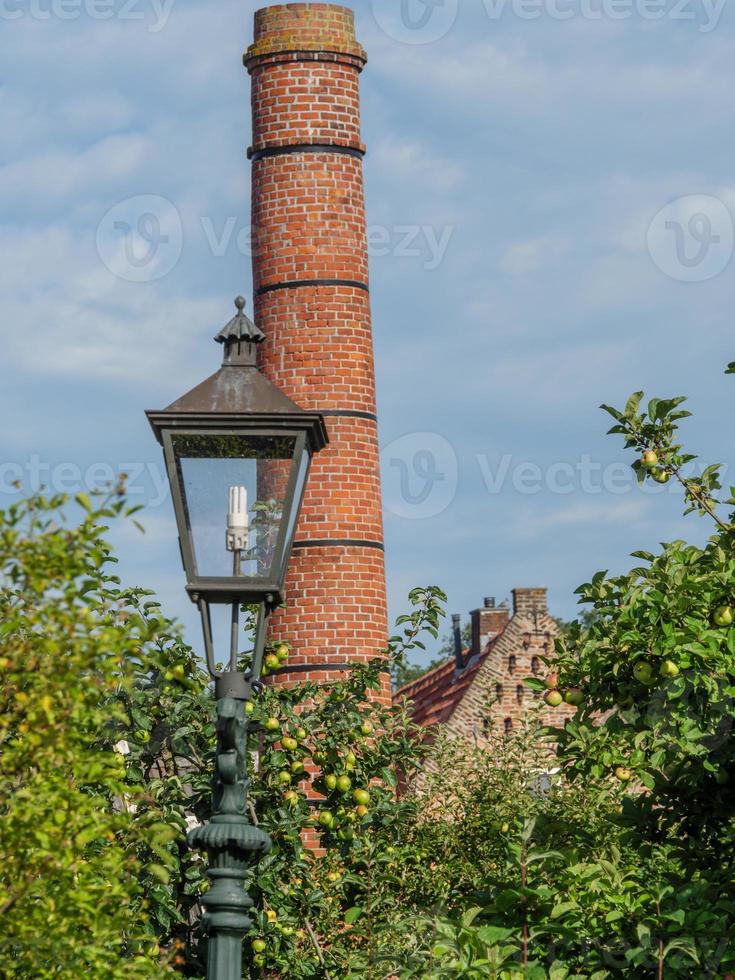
(240, 329)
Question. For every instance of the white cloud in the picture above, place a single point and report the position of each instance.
(414, 161)
(59, 175)
(581, 512)
(522, 258)
(77, 320)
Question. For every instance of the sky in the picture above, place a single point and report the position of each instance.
(551, 200)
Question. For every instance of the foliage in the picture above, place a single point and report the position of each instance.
(406, 673)
(594, 851)
(70, 902)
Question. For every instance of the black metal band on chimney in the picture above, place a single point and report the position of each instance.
(277, 151)
(347, 413)
(305, 283)
(337, 543)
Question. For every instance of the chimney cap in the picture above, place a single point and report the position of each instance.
(489, 602)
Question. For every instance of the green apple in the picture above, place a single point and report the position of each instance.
(272, 724)
(331, 781)
(623, 774)
(258, 946)
(282, 651)
(249, 707)
(272, 662)
(292, 797)
(650, 459)
(643, 672)
(669, 669)
(574, 696)
(344, 784)
(366, 728)
(661, 476)
(553, 699)
(284, 777)
(289, 744)
(301, 734)
(723, 616)
(552, 682)
(297, 767)
(326, 819)
(361, 797)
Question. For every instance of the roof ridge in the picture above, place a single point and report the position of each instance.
(423, 677)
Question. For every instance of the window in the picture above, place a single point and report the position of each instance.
(508, 725)
(520, 692)
(511, 663)
(535, 665)
(499, 692)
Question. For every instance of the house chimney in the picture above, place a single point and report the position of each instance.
(487, 623)
(530, 602)
(310, 273)
(457, 631)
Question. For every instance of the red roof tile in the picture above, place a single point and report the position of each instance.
(435, 695)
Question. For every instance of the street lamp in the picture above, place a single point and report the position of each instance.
(237, 453)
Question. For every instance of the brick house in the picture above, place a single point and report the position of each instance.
(481, 687)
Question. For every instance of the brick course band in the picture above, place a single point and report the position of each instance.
(343, 413)
(307, 283)
(339, 543)
(288, 148)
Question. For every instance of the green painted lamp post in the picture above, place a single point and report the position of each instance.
(237, 454)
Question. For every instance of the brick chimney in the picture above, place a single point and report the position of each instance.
(487, 623)
(530, 602)
(310, 272)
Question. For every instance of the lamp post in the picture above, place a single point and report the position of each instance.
(237, 453)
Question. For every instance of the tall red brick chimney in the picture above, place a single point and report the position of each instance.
(310, 272)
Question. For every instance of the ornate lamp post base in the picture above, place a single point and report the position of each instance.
(232, 844)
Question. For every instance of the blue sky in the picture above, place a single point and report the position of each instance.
(551, 197)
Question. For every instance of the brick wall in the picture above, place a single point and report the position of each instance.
(310, 271)
(497, 694)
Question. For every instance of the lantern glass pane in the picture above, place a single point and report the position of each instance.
(301, 475)
(234, 491)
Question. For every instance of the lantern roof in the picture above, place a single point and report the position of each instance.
(238, 392)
